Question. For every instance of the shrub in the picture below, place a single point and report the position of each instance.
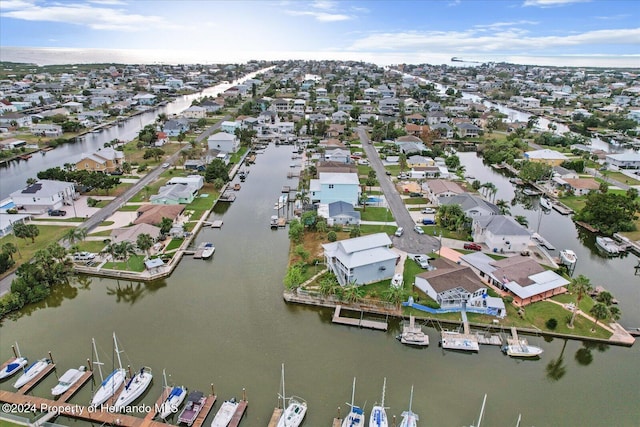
(142, 168)
(332, 236)
(551, 323)
(91, 202)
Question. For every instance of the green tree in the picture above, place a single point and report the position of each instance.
(580, 285)
(165, 225)
(155, 152)
(402, 162)
(332, 236)
(294, 277)
(144, 242)
(395, 295)
(534, 171)
(32, 231)
(216, 169)
(600, 311)
(296, 230)
(522, 220)
(355, 231)
(452, 162)
(74, 235)
(352, 293)
(503, 205)
(328, 285)
(9, 249)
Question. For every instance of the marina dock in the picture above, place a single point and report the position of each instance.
(213, 224)
(275, 417)
(362, 323)
(206, 408)
(561, 207)
(154, 409)
(31, 384)
(237, 416)
(77, 386)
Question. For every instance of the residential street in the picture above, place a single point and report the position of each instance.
(410, 242)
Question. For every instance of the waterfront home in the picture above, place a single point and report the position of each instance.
(196, 180)
(500, 233)
(629, 160)
(361, 260)
(174, 194)
(522, 277)
(471, 205)
(175, 127)
(104, 160)
(578, 186)
(7, 221)
(223, 141)
(211, 106)
(18, 120)
(145, 99)
(455, 286)
(12, 143)
(153, 214)
(46, 129)
(337, 155)
(419, 161)
(547, 156)
(441, 188)
(195, 165)
(131, 233)
(230, 127)
(74, 107)
(45, 195)
(334, 187)
(468, 130)
(336, 167)
(195, 112)
(339, 213)
(443, 129)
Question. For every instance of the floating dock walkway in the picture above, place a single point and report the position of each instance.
(275, 417)
(362, 323)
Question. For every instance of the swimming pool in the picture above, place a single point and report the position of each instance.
(374, 199)
(8, 206)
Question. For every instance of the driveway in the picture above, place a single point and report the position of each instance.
(410, 241)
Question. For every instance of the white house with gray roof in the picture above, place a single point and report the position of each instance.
(45, 195)
(472, 206)
(223, 141)
(500, 233)
(362, 260)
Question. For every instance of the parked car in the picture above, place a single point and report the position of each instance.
(166, 165)
(83, 256)
(57, 212)
(418, 229)
(399, 231)
(428, 211)
(388, 173)
(415, 195)
(473, 246)
(117, 172)
(422, 261)
(428, 221)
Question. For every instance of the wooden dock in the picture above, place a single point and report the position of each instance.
(587, 226)
(31, 384)
(237, 416)
(74, 388)
(206, 408)
(275, 417)
(562, 208)
(213, 224)
(543, 242)
(487, 338)
(154, 409)
(362, 323)
(337, 422)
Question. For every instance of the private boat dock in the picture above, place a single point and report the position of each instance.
(361, 322)
(542, 241)
(275, 417)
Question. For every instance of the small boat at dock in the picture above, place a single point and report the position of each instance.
(68, 379)
(546, 203)
(568, 257)
(608, 245)
(13, 366)
(409, 418)
(530, 192)
(113, 382)
(294, 410)
(378, 417)
(225, 413)
(32, 372)
(412, 334)
(195, 402)
(521, 348)
(355, 418)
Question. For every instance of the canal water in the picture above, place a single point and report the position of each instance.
(14, 175)
(223, 321)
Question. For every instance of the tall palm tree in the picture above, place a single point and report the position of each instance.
(599, 311)
(9, 249)
(352, 293)
(522, 220)
(125, 250)
(503, 205)
(74, 235)
(395, 295)
(581, 286)
(144, 242)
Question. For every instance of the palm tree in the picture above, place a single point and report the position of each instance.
(328, 285)
(352, 293)
(600, 311)
(522, 220)
(503, 205)
(74, 235)
(580, 285)
(395, 295)
(125, 250)
(144, 242)
(605, 297)
(9, 249)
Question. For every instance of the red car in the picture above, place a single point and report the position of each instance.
(473, 246)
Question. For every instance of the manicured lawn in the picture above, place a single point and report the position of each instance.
(633, 235)
(106, 233)
(436, 230)
(574, 202)
(200, 205)
(173, 244)
(619, 176)
(136, 263)
(149, 190)
(48, 234)
(415, 201)
(375, 214)
(371, 229)
(93, 246)
(363, 170)
(59, 219)
(129, 208)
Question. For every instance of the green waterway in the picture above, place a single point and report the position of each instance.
(223, 321)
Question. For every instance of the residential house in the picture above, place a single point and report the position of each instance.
(629, 160)
(145, 99)
(195, 165)
(74, 107)
(456, 286)
(222, 141)
(162, 138)
(45, 195)
(335, 187)
(577, 186)
(441, 188)
(521, 277)
(337, 155)
(196, 180)
(130, 234)
(175, 194)
(153, 214)
(195, 112)
(211, 106)
(500, 233)
(230, 127)
(7, 221)
(443, 129)
(436, 117)
(419, 161)
(12, 143)
(339, 213)
(20, 120)
(175, 127)
(47, 129)
(471, 205)
(547, 156)
(340, 117)
(362, 260)
(468, 130)
(104, 160)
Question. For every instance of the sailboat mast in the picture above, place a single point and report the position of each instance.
(284, 403)
(115, 343)
(353, 391)
(411, 399)
(97, 361)
(18, 349)
(384, 386)
(482, 409)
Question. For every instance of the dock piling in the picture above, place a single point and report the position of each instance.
(15, 353)
(51, 357)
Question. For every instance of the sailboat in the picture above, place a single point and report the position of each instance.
(481, 412)
(378, 417)
(174, 399)
(355, 418)
(294, 412)
(68, 379)
(409, 419)
(14, 366)
(136, 385)
(32, 372)
(112, 383)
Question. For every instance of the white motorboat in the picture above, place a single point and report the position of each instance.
(136, 385)
(68, 379)
(568, 257)
(453, 340)
(208, 251)
(113, 382)
(530, 192)
(409, 418)
(546, 203)
(15, 365)
(412, 334)
(608, 245)
(378, 417)
(225, 413)
(355, 418)
(32, 372)
(174, 399)
(294, 410)
(521, 348)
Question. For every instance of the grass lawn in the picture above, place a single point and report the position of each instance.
(149, 190)
(436, 230)
(415, 201)
(48, 234)
(633, 235)
(574, 202)
(173, 244)
(136, 263)
(58, 219)
(375, 214)
(93, 246)
(129, 208)
(619, 176)
(371, 229)
(363, 170)
(105, 233)
(114, 192)
(201, 204)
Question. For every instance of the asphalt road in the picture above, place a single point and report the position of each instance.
(410, 242)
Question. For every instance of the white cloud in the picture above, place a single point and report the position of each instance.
(108, 2)
(320, 16)
(97, 18)
(506, 24)
(509, 40)
(550, 3)
(324, 5)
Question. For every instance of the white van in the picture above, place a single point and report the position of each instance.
(83, 256)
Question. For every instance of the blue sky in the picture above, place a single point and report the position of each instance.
(545, 32)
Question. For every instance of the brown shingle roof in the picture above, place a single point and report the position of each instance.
(153, 214)
(516, 269)
(450, 275)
